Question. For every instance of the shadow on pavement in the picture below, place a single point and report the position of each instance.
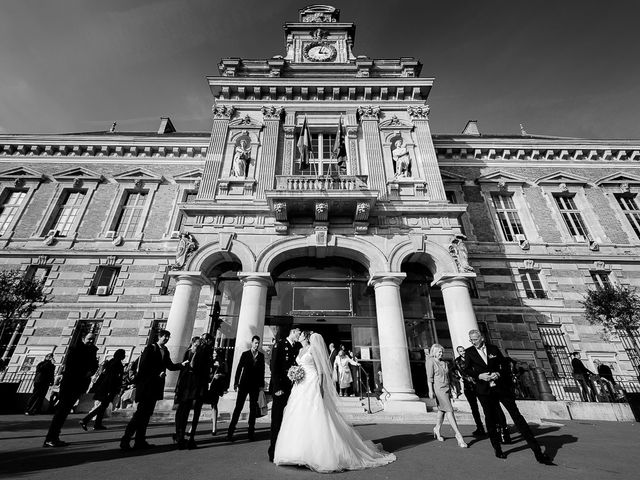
(398, 443)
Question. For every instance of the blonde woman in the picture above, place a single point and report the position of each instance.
(439, 383)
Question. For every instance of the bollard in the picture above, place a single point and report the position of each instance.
(543, 385)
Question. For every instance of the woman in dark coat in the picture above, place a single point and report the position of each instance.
(105, 389)
(191, 389)
(41, 383)
(217, 387)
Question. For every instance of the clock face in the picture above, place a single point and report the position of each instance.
(320, 52)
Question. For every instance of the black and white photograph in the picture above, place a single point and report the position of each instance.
(283, 240)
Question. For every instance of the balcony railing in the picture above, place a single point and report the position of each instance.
(302, 183)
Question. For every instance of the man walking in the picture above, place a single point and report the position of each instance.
(154, 362)
(42, 380)
(582, 375)
(487, 366)
(283, 357)
(249, 381)
(80, 365)
(469, 389)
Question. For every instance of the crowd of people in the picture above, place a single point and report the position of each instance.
(486, 378)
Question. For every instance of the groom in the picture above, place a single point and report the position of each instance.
(283, 357)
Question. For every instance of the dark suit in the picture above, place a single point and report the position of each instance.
(249, 380)
(469, 387)
(491, 396)
(154, 362)
(81, 363)
(582, 375)
(283, 357)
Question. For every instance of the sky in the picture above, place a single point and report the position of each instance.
(563, 67)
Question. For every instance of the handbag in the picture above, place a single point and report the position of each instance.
(263, 408)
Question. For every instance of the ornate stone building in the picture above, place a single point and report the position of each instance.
(398, 240)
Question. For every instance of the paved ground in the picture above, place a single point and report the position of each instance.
(581, 450)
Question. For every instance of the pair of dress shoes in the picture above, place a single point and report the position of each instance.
(54, 443)
(541, 457)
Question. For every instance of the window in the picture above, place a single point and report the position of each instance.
(451, 196)
(556, 348)
(508, 217)
(70, 208)
(104, 280)
(322, 159)
(532, 284)
(39, 273)
(600, 279)
(630, 208)
(168, 286)
(155, 328)
(84, 327)
(131, 214)
(473, 288)
(189, 197)
(572, 217)
(630, 339)
(11, 203)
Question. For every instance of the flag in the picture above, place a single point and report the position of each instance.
(339, 149)
(304, 145)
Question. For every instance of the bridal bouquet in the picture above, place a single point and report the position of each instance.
(296, 374)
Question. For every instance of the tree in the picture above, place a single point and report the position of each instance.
(19, 297)
(616, 308)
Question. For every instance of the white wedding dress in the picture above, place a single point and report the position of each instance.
(315, 435)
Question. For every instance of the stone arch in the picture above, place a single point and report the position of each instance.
(434, 256)
(212, 254)
(353, 248)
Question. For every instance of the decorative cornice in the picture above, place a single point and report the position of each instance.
(272, 113)
(223, 112)
(419, 113)
(46, 148)
(368, 112)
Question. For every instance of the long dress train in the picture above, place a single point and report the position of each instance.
(314, 434)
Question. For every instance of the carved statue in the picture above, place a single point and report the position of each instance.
(458, 251)
(401, 158)
(241, 159)
(186, 245)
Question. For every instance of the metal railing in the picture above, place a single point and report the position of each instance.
(25, 380)
(596, 389)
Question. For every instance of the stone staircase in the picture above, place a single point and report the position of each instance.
(354, 409)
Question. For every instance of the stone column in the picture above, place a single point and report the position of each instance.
(394, 350)
(182, 316)
(289, 155)
(266, 168)
(351, 126)
(457, 303)
(252, 312)
(373, 147)
(435, 187)
(221, 116)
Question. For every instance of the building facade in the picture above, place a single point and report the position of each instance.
(401, 239)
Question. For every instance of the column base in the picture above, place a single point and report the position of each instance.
(405, 406)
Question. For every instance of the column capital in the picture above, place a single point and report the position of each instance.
(387, 278)
(368, 112)
(270, 112)
(419, 113)
(453, 279)
(222, 112)
(193, 277)
(261, 278)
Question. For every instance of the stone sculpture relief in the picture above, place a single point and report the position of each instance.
(458, 251)
(186, 245)
(241, 158)
(401, 159)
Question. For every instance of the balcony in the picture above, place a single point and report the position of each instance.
(305, 199)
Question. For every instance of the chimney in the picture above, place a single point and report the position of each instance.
(166, 126)
(471, 128)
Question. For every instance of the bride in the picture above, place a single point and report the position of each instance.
(313, 432)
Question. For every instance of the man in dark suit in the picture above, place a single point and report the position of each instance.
(487, 366)
(469, 388)
(80, 365)
(582, 375)
(283, 357)
(43, 379)
(249, 381)
(154, 362)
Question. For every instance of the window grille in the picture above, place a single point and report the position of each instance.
(10, 207)
(601, 279)
(555, 345)
(629, 341)
(508, 217)
(39, 273)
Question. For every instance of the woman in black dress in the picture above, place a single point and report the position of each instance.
(217, 387)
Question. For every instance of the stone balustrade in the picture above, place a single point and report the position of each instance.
(310, 183)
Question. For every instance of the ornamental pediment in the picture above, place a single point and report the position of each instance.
(501, 177)
(619, 178)
(24, 173)
(448, 177)
(190, 176)
(138, 174)
(78, 172)
(394, 123)
(560, 177)
(246, 122)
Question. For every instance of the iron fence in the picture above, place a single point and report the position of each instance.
(25, 380)
(596, 389)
